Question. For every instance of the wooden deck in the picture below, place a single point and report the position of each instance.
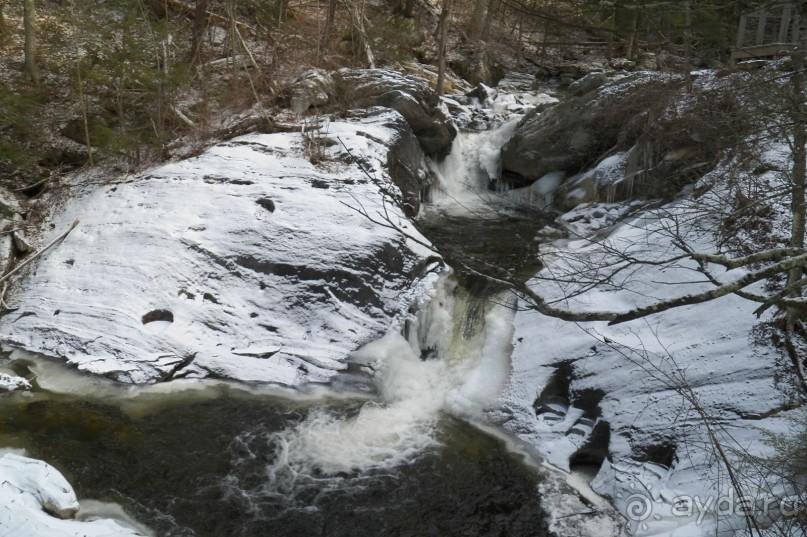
(769, 31)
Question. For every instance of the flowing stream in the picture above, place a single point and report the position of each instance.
(411, 458)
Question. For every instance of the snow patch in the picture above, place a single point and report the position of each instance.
(12, 383)
(37, 501)
(634, 369)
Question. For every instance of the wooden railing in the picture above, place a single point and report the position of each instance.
(769, 31)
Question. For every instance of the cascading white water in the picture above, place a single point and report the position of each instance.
(465, 174)
(451, 357)
(472, 343)
(473, 337)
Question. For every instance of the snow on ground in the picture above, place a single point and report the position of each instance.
(37, 501)
(248, 262)
(584, 392)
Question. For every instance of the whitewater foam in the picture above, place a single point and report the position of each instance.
(464, 176)
(413, 393)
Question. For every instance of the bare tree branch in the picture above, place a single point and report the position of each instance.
(539, 303)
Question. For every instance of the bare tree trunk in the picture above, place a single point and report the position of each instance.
(29, 15)
(282, 10)
(357, 15)
(80, 86)
(688, 41)
(158, 7)
(544, 40)
(199, 25)
(634, 36)
(798, 207)
(477, 19)
(84, 116)
(3, 27)
(326, 33)
(492, 6)
(609, 53)
(441, 65)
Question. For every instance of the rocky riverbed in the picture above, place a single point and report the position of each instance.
(277, 316)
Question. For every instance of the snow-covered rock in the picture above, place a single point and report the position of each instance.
(410, 96)
(248, 262)
(37, 501)
(573, 134)
(650, 135)
(624, 398)
(12, 383)
(314, 88)
(588, 83)
(356, 89)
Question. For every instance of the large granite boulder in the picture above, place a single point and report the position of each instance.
(405, 163)
(665, 134)
(313, 89)
(588, 83)
(572, 135)
(248, 262)
(349, 89)
(475, 62)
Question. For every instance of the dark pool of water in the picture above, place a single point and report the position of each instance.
(182, 470)
(503, 247)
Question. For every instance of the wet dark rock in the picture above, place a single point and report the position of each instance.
(315, 88)
(595, 449)
(564, 138)
(410, 96)
(157, 315)
(476, 63)
(267, 204)
(407, 169)
(588, 83)
(348, 89)
(482, 92)
(665, 146)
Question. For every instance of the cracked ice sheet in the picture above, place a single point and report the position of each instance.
(248, 246)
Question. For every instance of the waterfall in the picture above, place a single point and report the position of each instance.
(470, 332)
(467, 174)
(450, 357)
